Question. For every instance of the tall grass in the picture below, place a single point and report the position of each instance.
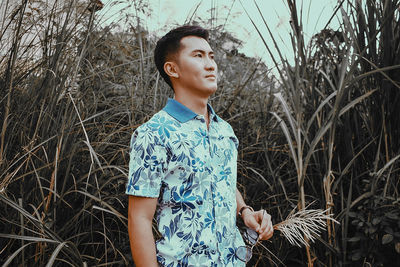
(339, 126)
(72, 91)
(63, 143)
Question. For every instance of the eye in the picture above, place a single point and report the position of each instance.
(198, 55)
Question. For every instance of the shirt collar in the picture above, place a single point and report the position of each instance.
(182, 113)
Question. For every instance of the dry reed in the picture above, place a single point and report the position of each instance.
(302, 226)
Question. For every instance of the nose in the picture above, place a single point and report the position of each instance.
(210, 64)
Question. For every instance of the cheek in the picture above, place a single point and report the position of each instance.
(194, 71)
(195, 65)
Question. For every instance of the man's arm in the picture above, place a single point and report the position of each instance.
(239, 201)
(140, 215)
(260, 220)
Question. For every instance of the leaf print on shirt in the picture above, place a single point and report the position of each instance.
(231, 256)
(143, 178)
(151, 162)
(184, 199)
(214, 150)
(228, 156)
(188, 237)
(141, 142)
(183, 262)
(209, 221)
(132, 182)
(198, 165)
(161, 260)
(200, 137)
(199, 259)
(200, 248)
(224, 173)
(219, 199)
(162, 126)
(173, 226)
(182, 144)
(182, 149)
(235, 142)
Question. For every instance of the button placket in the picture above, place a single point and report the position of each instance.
(213, 190)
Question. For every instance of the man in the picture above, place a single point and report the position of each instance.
(183, 168)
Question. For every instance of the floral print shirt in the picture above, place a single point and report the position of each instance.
(192, 172)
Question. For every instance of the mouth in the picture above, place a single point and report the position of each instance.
(211, 76)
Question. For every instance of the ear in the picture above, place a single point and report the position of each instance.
(171, 69)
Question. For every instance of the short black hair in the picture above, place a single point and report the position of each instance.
(170, 44)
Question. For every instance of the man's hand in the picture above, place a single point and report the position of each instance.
(259, 221)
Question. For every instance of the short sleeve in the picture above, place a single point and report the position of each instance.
(146, 164)
(235, 141)
(233, 137)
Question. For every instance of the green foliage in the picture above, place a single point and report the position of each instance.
(375, 228)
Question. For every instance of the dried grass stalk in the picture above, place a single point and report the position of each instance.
(304, 225)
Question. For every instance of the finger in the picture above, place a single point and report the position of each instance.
(261, 219)
(252, 222)
(264, 222)
(266, 227)
(261, 215)
(266, 219)
(267, 234)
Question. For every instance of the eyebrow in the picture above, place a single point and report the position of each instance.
(202, 51)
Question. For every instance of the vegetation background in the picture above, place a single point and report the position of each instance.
(322, 132)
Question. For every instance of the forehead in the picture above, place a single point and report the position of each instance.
(191, 43)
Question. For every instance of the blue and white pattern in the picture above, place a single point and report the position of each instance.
(192, 172)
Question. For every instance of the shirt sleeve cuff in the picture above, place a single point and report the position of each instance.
(144, 192)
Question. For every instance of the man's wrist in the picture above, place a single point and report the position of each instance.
(243, 209)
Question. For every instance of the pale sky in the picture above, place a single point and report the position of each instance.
(166, 14)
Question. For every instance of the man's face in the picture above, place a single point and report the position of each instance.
(196, 66)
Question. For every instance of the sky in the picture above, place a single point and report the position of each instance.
(167, 14)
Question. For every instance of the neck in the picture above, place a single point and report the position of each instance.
(195, 103)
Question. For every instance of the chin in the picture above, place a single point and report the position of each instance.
(207, 90)
(212, 90)
(213, 87)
